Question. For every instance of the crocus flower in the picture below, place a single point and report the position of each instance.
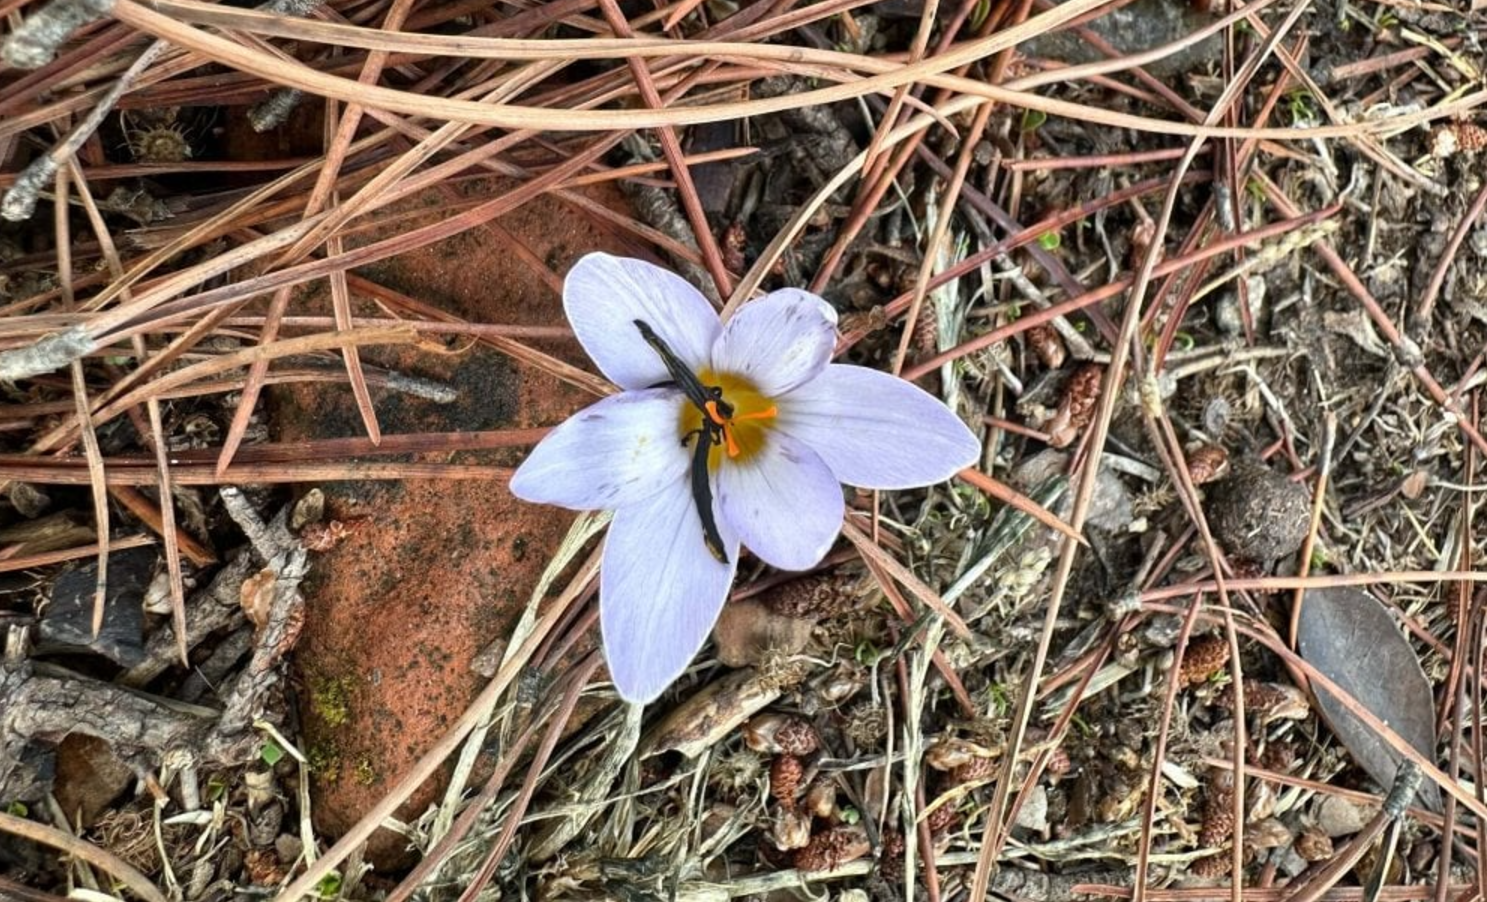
(780, 428)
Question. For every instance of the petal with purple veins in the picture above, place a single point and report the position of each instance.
(604, 295)
(660, 591)
(877, 431)
(778, 342)
(623, 449)
(784, 503)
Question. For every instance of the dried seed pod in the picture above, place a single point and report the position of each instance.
(733, 773)
(1047, 345)
(735, 238)
(775, 734)
(1058, 763)
(1216, 415)
(1269, 701)
(832, 848)
(1142, 236)
(785, 772)
(322, 537)
(1261, 802)
(791, 830)
(1313, 845)
(1121, 799)
(782, 671)
(820, 799)
(158, 144)
(1267, 833)
(947, 753)
(1077, 407)
(867, 725)
(1204, 657)
(257, 595)
(841, 683)
(1207, 463)
(310, 508)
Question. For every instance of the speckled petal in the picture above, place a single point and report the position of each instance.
(604, 296)
(778, 342)
(877, 431)
(784, 503)
(660, 591)
(621, 450)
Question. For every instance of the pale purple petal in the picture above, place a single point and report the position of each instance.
(777, 342)
(784, 502)
(604, 295)
(877, 431)
(660, 591)
(623, 449)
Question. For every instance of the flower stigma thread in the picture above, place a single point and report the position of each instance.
(741, 412)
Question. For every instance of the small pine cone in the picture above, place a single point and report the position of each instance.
(891, 856)
(1047, 345)
(1211, 867)
(1218, 812)
(1313, 845)
(785, 772)
(1077, 407)
(832, 848)
(1207, 463)
(926, 338)
(942, 820)
(817, 596)
(1205, 656)
(976, 770)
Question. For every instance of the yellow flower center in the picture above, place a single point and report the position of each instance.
(743, 431)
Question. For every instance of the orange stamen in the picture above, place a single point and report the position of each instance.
(724, 423)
